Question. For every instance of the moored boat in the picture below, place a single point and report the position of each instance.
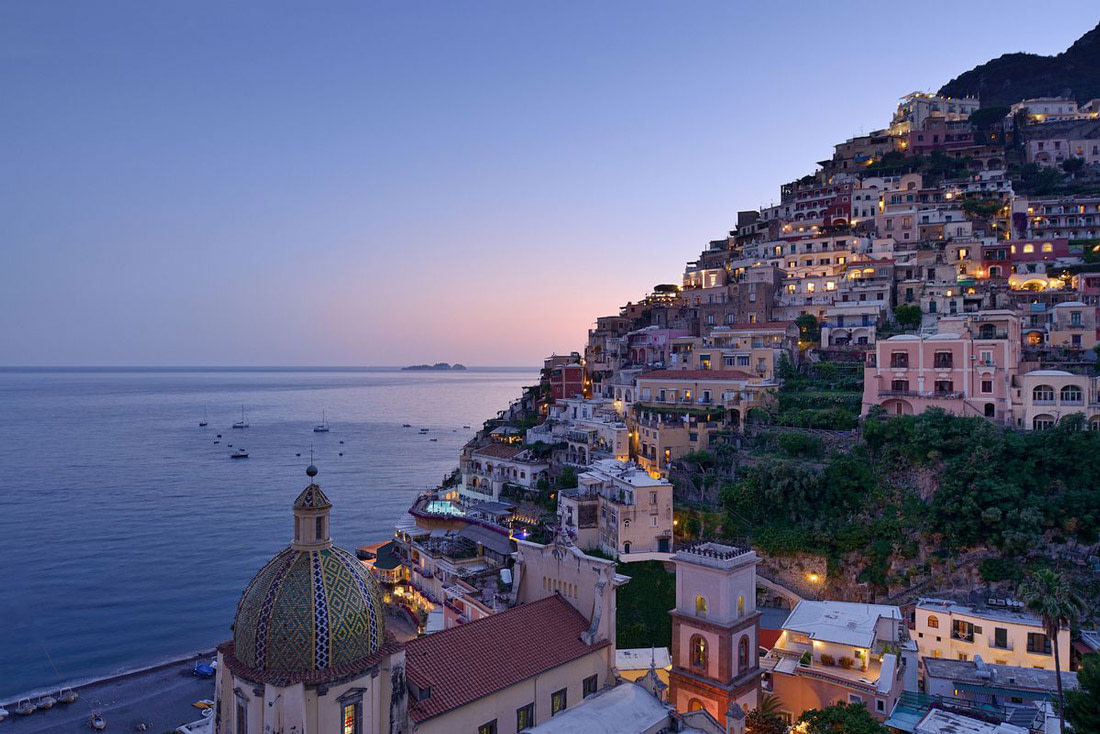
(239, 454)
(66, 695)
(46, 702)
(25, 707)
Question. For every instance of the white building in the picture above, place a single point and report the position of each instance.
(833, 651)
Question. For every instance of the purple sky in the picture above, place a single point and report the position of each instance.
(216, 183)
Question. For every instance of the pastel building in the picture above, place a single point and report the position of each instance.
(618, 508)
(1002, 636)
(1045, 397)
(967, 368)
(841, 652)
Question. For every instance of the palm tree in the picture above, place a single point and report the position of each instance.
(1052, 597)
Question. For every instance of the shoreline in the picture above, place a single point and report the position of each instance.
(79, 685)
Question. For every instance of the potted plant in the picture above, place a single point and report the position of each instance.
(827, 659)
(846, 662)
(805, 660)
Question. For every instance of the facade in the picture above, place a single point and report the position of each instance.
(944, 629)
(715, 631)
(966, 369)
(618, 508)
(678, 411)
(489, 468)
(507, 672)
(1045, 397)
(841, 652)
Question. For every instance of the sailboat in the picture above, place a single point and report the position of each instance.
(242, 423)
(203, 422)
(323, 428)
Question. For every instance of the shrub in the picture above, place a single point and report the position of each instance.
(799, 445)
(846, 662)
(827, 659)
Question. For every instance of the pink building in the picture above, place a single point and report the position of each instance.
(967, 368)
(650, 346)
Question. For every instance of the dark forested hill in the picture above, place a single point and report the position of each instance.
(1003, 81)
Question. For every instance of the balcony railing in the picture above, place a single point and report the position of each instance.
(917, 394)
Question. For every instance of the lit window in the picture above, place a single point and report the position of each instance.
(557, 702)
(933, 621)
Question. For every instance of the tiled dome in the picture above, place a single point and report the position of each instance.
(309, 610)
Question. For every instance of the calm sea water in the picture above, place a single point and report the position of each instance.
(127, 535)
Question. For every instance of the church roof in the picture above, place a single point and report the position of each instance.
(312, 498)
(308, 610)
(474, 660)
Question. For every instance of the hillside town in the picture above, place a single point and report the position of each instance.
(946, 263)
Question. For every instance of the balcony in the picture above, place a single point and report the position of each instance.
(1008, 647)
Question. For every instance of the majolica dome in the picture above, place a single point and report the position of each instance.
(313, 606)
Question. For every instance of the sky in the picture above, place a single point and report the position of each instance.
(386, 183)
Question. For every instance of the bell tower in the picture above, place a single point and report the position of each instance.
(714, 633)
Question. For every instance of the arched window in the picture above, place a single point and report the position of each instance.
(740, 605)
(695, 705)
(700, 606)
(1042, 422)
(743, 654)
(1047, 247)
(995, 271)
(933, 621)
(698, 651)
(1029, 248)
(1043, 394)
(626, 547)
(1071, 394)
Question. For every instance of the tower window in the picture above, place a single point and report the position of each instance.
(320, 528)
(698, 651)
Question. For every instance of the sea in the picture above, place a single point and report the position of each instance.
(127, 533)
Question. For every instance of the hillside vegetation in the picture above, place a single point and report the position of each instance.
(913, 497)
(1010, 78)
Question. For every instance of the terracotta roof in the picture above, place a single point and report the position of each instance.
(500, 450)
(474, 660)
(696, 375)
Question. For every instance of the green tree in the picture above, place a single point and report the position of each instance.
(1052, 597)
(809, 330)
(1073, 165)
(849, 718)
(568, 478)
(1083, 705)
(908, 315)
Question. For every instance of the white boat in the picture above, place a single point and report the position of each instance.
(239, 454)
(242, 423)
(3, 713)
(97, 722)
(323, 427)
(66, 695)
(25, 707)
(46, 702)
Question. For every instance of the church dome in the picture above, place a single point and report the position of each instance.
(313, 606)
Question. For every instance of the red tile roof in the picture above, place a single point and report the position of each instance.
(696, 375)
(500, 450)
(474, 660)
